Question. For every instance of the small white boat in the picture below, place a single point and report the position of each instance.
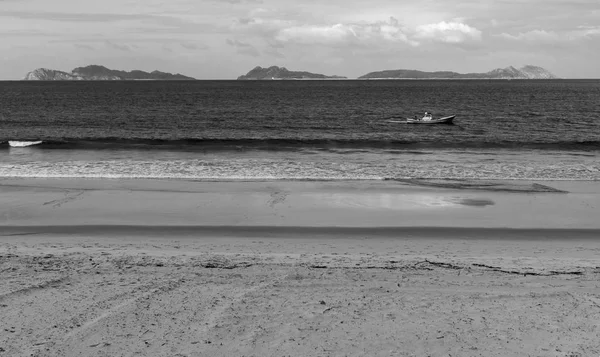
(428, 119)
(22, 144)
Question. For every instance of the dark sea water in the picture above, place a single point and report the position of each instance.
(317, 130)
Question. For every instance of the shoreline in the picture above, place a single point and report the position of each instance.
(307, 232)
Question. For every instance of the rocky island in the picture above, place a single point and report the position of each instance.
(274, 72)
(526, 72)
(100, 73)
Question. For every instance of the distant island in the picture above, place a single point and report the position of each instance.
(100, 73)
(526, 72)
(274, 72)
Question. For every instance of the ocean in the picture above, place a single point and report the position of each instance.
(302, 130)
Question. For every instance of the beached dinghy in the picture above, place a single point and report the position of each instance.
(22, 144)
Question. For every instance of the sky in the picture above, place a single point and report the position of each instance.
(223, 39)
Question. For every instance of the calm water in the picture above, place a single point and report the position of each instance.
(318, 130)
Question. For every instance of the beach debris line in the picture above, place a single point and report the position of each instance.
(499, 269)
(220, 262)
(551, 272)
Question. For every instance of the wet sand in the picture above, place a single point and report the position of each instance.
(57, 202)
(179, 268)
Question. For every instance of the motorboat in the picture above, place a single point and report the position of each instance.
(428, 119)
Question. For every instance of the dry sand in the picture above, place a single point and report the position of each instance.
(177, 268)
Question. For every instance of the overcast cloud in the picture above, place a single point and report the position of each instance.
(222, 39)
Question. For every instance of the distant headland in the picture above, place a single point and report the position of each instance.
(99, 73)
(526, 72)
(274, 72)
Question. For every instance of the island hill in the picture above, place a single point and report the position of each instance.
(100, 73)
(526, 72)
(274, 72)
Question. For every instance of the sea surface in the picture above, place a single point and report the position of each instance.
(302, 130)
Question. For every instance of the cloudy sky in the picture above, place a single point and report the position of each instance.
(222, 39)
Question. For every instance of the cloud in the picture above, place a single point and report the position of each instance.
(28, 33)
(124, 48)
(366, 34)
(535, 36)
(323, 35)
(448, 32)
(127, 23)
(241, 1)
(584, 33)
(236, 43)
(553, 37)
(84, 47)
(191, 46)
(273, 52)
(75, 17)
(333, 35)
(262, 27)
(243, 48)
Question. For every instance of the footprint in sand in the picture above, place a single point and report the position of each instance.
(277, 196)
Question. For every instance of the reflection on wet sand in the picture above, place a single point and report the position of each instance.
(397, 201)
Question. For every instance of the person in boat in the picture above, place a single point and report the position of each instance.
(427, 116)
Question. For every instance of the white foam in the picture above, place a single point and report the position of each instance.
(326, 167)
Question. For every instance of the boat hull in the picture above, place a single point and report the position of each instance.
(22, 144)
(444, 120)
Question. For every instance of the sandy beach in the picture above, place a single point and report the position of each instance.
(282, 268)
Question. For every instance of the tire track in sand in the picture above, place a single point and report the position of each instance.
(69, 196)
(168, 286)
(46, 284)
(211, 320)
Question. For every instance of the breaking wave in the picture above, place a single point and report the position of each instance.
(195, 144)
